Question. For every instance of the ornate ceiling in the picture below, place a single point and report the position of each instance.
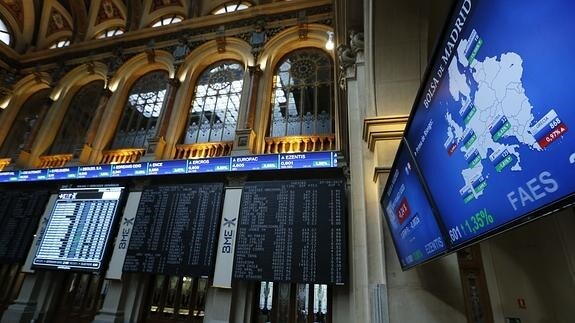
(37, 24)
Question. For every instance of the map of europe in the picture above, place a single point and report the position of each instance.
(496, 112)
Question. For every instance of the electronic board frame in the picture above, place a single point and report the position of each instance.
(19, 225)
(432, 79)
(247, 163)
(45, 256)
(329, 228)
(439, 244)
(192, 208)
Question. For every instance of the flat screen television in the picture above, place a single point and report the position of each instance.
(79, 228)
(410, 215)
(490, 127)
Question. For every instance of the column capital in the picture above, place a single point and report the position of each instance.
(356, 41)
(255, 69)
(174, 82)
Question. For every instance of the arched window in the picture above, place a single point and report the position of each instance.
(110, 32)
(231, 7)
(60, 43)
(24, 124)
(167, 20)
(143, 107)
(78, 118)
(213, 113)
(5, 35)
(302, 95)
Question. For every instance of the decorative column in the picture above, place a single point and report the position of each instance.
(24, 157)
(245, 135)
(355, 305)
(219, 300)
(84, 155)
(158, 144)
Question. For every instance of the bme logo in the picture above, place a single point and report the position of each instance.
(229, 223)
(228, 235)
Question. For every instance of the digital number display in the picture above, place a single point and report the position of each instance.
(409, 214)
(175, 167)
(490, 128)
(78, 230)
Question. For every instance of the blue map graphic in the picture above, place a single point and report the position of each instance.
(494, 132)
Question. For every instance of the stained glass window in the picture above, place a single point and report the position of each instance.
(5, 35)
(143, 107)
(231, 7)
(78, 118)
(302, 95)
(167, 20)
(213, 113)
(110, 32)
(24, 124)
(60, 43)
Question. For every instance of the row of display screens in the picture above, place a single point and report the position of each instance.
(487, 144)
(174, 167)
(175, 230)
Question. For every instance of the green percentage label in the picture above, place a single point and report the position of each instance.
(478, 221)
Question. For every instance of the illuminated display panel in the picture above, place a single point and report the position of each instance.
(409, 214)
(78, 230)
(326, 159)
(490, 129)
(176, 230)
(292, 231)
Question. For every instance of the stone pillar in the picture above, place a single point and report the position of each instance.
(158, 144)
(24, 307)
(353, 70)
(245, 135)
(112, 309)
(243, 293)
(123, 301)
(94, 125)
(36, 298)
(219, 298)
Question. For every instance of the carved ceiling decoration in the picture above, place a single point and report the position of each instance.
(57, 22)
(159, 4)
(16, 10)
(190, 36)
(108, 11)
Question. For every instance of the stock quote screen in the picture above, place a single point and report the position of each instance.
(491, 128)
(79, 228)
(409, 214)
(292, 231)
(175, 230)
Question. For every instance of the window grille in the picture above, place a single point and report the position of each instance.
(213, 115)
(302, 95)
(24, 124)
(78, 118)
(231, 7)
(143, 107)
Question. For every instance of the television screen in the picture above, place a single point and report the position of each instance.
(490, 130)
(79, 228)
(20, 212)
(175, 231)
(409, 214)
(292, 231)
